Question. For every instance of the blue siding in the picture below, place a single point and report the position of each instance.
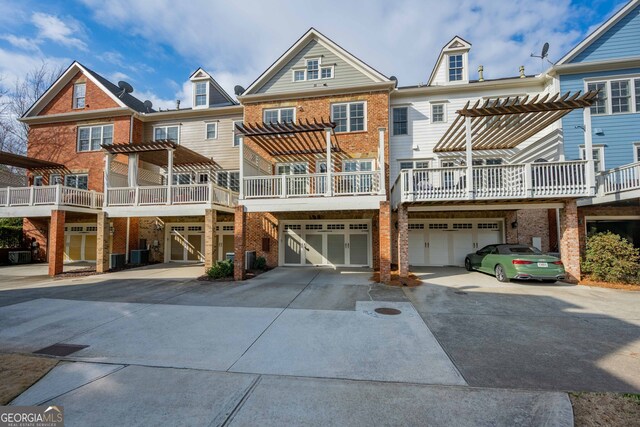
(620, 41)
(620, 130)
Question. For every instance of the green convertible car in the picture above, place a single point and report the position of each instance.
(508, 262)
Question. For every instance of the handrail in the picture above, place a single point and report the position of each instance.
(179, 194)
(50, 195)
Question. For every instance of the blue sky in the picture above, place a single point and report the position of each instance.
(156, 45)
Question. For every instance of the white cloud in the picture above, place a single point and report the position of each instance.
(158, 102)
(50, 27)
(23, 43)
(15, 65)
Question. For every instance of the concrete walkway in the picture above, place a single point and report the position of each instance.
(293, 346)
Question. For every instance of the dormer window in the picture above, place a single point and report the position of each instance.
(455, 68)
(79, 90)
(201, 94)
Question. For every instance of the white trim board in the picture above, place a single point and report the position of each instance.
(304, 204)
(496, 207)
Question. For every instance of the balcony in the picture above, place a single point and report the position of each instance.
(39, 201)
(495, 182)
(618, 184)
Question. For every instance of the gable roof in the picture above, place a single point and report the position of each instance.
(456, 43)
(313, 34)
(598, 32)
(200, 73)
(126, 100)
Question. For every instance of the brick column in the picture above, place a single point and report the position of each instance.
(210, 240)
(56, 242)
(239, 240)
(570, 240)
(102, 240)
(385, 241)
(403, 241)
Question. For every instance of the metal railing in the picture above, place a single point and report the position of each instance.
(312, 185)
(529, 180)
(50, 195)
(623, 178)
(190, 194)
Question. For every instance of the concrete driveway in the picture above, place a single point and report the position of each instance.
(282, 348)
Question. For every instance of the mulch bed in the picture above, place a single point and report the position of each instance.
(625, 286)
(412, 281)
(249, 275)
(605, 409)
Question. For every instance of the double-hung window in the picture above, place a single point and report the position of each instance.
(400, 121)
(38, 181)
(55, 179)
(600, 104)
(90, 138)
(171, 133)
(236, 134)
(636, 84)
(349, 117)
(77, 181)
(279, 115)
(181, 178)
(437, 113)
(212, 130)
(79, 91)
(201, 94)
(598, 157)
(313, 69)
(455, 68)
(228, 179)
(620, 96)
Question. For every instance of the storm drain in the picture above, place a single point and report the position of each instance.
(388, 311)
(60, 349)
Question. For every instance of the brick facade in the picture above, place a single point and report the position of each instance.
(240, 233)
(102, 241)
(402, 241)
(56, 242)
(384, 230)
(210, 238)
(570, 240)
(95, 98)
(38, 229)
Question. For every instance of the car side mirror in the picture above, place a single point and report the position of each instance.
(478, 253)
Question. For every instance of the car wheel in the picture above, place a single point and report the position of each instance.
(500, 274)
(467, 264)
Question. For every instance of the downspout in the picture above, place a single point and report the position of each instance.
(127, 240)
(558, 228)
(131, 130)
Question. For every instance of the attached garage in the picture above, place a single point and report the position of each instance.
(224, 230)
(446, 242)
(185, 242)
(336, 243)
(80, 242)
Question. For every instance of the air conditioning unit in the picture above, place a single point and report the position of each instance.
(19, 257)
(118, 261)
(249, 259)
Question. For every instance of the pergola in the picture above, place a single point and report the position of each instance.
(25, 162)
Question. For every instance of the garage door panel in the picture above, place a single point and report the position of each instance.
(336, 249)
(359, 249)
(90, 246)
(314, 249)
(292, 249)
(438, 247)
(416, 247)
(462, 245)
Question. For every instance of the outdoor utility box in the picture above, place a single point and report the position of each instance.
(249, 259)
(139, 256)
(230, 256)
(20, 257)
(118, 260)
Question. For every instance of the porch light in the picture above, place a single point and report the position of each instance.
(514, 224)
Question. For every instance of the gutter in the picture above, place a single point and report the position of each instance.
(78, 115)
(540, 79)
(321, 91)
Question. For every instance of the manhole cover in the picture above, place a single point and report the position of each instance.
(460, 292)
(388, 311)
(60, 349)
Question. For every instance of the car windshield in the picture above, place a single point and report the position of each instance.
(523, 250)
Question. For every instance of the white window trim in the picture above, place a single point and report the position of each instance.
(332, 67)
(600, 148)
(75, 98)
(167, 126)
(290, 164)
(348, 104)
(304, 71)
(279, 110)
(207, 85)
(413, 162)
(64, 179)
(53, 176)
(444, 112)
(102, 125)
(607, 81)
(234, 134)
(636, 148)
(206, 130)
(374, 164)
(464, 78)
(36, 178)
(393, 121)
(228, 179)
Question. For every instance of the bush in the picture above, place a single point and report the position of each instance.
(221, 270)
(260, 263)
(10, 232)
(611, 258)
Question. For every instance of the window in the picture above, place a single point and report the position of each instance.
(55, 178)
(279, 115)
(455, 68)
(79, 90)
(349, 117)
(598, 157)
(237, 136)
(600, 104)
(326, 72)
(77, 181)
(90, 138)
(181, 178)
(298, 75)
(636, 84)
(38, 181)
(234, 181)
(418, 164)
(400, 125)
(212, 130)
(620, 96)
(170, 133)
(437, 113)
(228, 179)
(292, 168)
(636, 152)
(203, 177)
(201, 94)
(313, 66)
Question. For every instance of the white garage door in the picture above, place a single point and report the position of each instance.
(80, 243)
(337, 243)
(440, 243)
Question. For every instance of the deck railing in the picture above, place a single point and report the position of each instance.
(50, 195)
(623, 178)
(529, 180)
(312, 185)
(203, 194)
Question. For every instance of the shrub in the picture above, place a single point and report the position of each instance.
(260, 263)
(611, 258)
(221, 270)
(10, 232)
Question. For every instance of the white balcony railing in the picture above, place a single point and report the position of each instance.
(203, 194)
(312, 185)
(50, 195)
(530, 180)
(623, 178)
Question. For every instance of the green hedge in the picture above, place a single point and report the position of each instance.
(611, 258)
(10, 232)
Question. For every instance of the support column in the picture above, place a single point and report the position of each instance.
(169, 176)
(384, 229)
(240, 225)
(107, 169)
(56, 242)
(570, 240)
(469, 152)
(241, 189)
(133, 170)
(403, 241)
(588, 152)
(210, 238)
(381, 161)
(102, 242)
(329, 184)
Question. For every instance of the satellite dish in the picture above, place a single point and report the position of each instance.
(545, 50)
(126, 87)
(148, 105)
(395, 79)
(238, 90)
